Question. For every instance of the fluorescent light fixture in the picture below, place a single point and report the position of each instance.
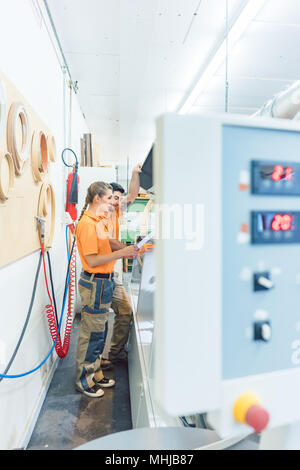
(247, 15)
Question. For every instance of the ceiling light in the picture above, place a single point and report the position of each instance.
(247, 15)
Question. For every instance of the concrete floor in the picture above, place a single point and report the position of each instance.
(69, 418)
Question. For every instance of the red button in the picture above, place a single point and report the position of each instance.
(257, 417)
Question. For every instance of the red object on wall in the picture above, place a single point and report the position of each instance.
(71, 207)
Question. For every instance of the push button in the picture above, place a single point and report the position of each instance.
(262, 331)
(247, 409)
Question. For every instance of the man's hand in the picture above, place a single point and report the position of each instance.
(130, 251)
(137, 168)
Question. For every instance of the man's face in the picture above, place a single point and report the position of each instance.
(116, 199)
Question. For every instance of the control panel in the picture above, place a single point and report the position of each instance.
(227, 300)
(261, 307)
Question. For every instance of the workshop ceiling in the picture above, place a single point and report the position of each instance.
(137, 59)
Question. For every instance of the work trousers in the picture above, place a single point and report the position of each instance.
(123, 316)
(96, 297)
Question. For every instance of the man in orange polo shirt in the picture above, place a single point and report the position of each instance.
(120, 301)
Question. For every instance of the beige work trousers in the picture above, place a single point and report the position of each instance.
(123, 315)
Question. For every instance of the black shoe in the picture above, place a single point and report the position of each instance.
(105, 382)
(95, 391)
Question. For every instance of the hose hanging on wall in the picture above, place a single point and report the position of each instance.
(16, 376)
(72, 185)
(61, 349)
(26, 321)
(52, 286)
(54, 325)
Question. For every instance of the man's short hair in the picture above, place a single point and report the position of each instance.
(117, 187)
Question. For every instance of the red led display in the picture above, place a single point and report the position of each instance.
(282, 222)
(289, 173)
(280, 173)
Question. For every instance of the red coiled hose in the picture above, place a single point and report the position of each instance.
(61, 350)
(71, 301)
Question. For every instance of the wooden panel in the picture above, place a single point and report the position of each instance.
(82, 146)
(96, 154)
(18, 234)
(88, 149)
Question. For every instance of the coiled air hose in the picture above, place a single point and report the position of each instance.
(16, 376)
(61, 349)
(52, 286)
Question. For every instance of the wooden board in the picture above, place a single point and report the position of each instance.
(18, 227)
(96, 154)
(88, 149)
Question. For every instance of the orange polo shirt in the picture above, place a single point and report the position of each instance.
(115, 224)
(92, 238)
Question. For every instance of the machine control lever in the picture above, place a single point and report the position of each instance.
(265, 282)
(262, 281)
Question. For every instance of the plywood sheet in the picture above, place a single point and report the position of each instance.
(18, 227)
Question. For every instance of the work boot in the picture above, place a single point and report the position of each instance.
(121, 357)
(106, 364)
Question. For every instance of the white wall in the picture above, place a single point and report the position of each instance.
(29, 61)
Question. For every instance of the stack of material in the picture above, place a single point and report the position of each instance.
(90, 153)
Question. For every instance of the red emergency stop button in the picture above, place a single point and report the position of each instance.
(257, 417)
(248, 410)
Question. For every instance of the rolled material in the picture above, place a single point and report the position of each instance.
(2, 110)
(39, 155)
(7, 176)
(46, 210)
(16, 114)
(51, 148)
(284, 105)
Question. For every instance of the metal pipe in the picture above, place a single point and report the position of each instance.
(284, 105)
(57, 40)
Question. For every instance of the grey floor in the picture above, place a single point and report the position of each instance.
(69, 419)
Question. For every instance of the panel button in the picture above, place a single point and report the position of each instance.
(262, 281)
(262, 331)
(247, 409)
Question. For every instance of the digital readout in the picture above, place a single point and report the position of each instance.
(275, 227)
(277, 172)
(275, 222)
(275, 178)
